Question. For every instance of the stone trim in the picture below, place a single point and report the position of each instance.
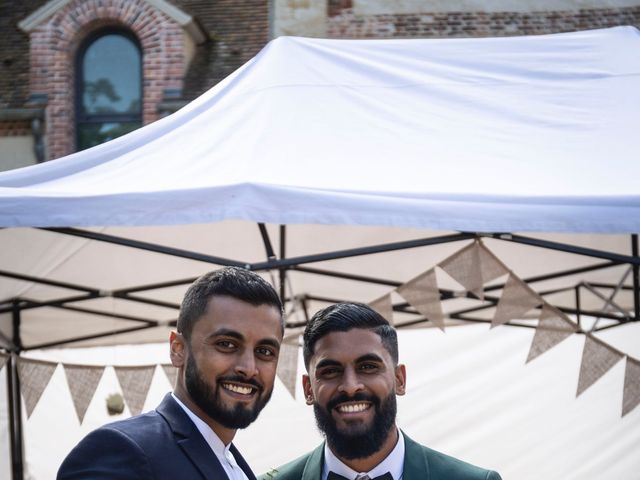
(40, 15)
(20, 114)
(185, 21)
(181, 18)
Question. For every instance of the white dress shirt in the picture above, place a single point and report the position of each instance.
(226, 458)
(393, 463)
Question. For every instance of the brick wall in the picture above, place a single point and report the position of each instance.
(344, 23)
(53, 45)
(238, 30)
(15, 128)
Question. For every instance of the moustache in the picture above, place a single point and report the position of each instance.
(358, 397)
(240, 379)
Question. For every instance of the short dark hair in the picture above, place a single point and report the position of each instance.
(343, 317)
(233, 282)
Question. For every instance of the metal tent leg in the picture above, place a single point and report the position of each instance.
(15, 405)
(636, 278)
(15, 418)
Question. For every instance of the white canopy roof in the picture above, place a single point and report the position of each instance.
(495, 134)
(501, 134)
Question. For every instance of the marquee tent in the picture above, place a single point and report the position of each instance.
(363, 164)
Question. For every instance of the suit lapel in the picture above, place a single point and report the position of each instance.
(241, 462)
(416, 466)
(313, 467)
(191, 441)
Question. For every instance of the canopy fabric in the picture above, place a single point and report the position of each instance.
(486, 135)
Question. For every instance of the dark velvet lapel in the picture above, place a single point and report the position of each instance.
(191, 441)
(313, 468)
(416, 466)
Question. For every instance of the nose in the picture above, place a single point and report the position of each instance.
(246, 364)
(350, 382)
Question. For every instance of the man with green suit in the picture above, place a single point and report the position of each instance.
(351, 356)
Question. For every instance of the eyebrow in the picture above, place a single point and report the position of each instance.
(369, 357)
(270, 342)
(227, 332)
(327, 362)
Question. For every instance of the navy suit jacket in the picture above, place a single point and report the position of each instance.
(162, 444)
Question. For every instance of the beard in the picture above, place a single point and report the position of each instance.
(359, 440)
(207, 397)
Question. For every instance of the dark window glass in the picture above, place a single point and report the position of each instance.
(109, 88)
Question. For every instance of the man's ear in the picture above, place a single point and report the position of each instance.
(177, 346)
(308, 392)
(401, 379)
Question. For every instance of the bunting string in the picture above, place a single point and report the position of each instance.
(472, 267)
(83, 381)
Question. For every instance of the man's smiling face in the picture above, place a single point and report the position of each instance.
(230, 361)
(352, 384)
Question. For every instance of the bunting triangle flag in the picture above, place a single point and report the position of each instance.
(34, 378)
(83, 381)
(464, 267)
(172, 374)
(287, 370)
(516, 300)
(422, 293)
(631, 393)
(553, 327)
(3, 360)
(490, 266)
(384, 307)
(135, 383)
(597, 359)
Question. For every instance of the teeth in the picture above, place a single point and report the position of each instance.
(353, 408)
(238, 388)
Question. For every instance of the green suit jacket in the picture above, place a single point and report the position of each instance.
(420, 463)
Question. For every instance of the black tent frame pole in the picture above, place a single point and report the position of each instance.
(15, 418)
(563, 247)
(355, 252)
(93, 336)
(15, 405)
(283, 264)
(636, 278)
(151, 247)
(283, 271)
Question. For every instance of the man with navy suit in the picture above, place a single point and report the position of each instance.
(353, 376)
(226, 349)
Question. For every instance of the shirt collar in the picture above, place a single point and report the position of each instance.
(393, 463)
(218, 447)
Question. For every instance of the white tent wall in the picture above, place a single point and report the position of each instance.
(469, 394)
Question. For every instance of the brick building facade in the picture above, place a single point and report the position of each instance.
(188, 45)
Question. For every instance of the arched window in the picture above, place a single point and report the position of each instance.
(108, 87)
